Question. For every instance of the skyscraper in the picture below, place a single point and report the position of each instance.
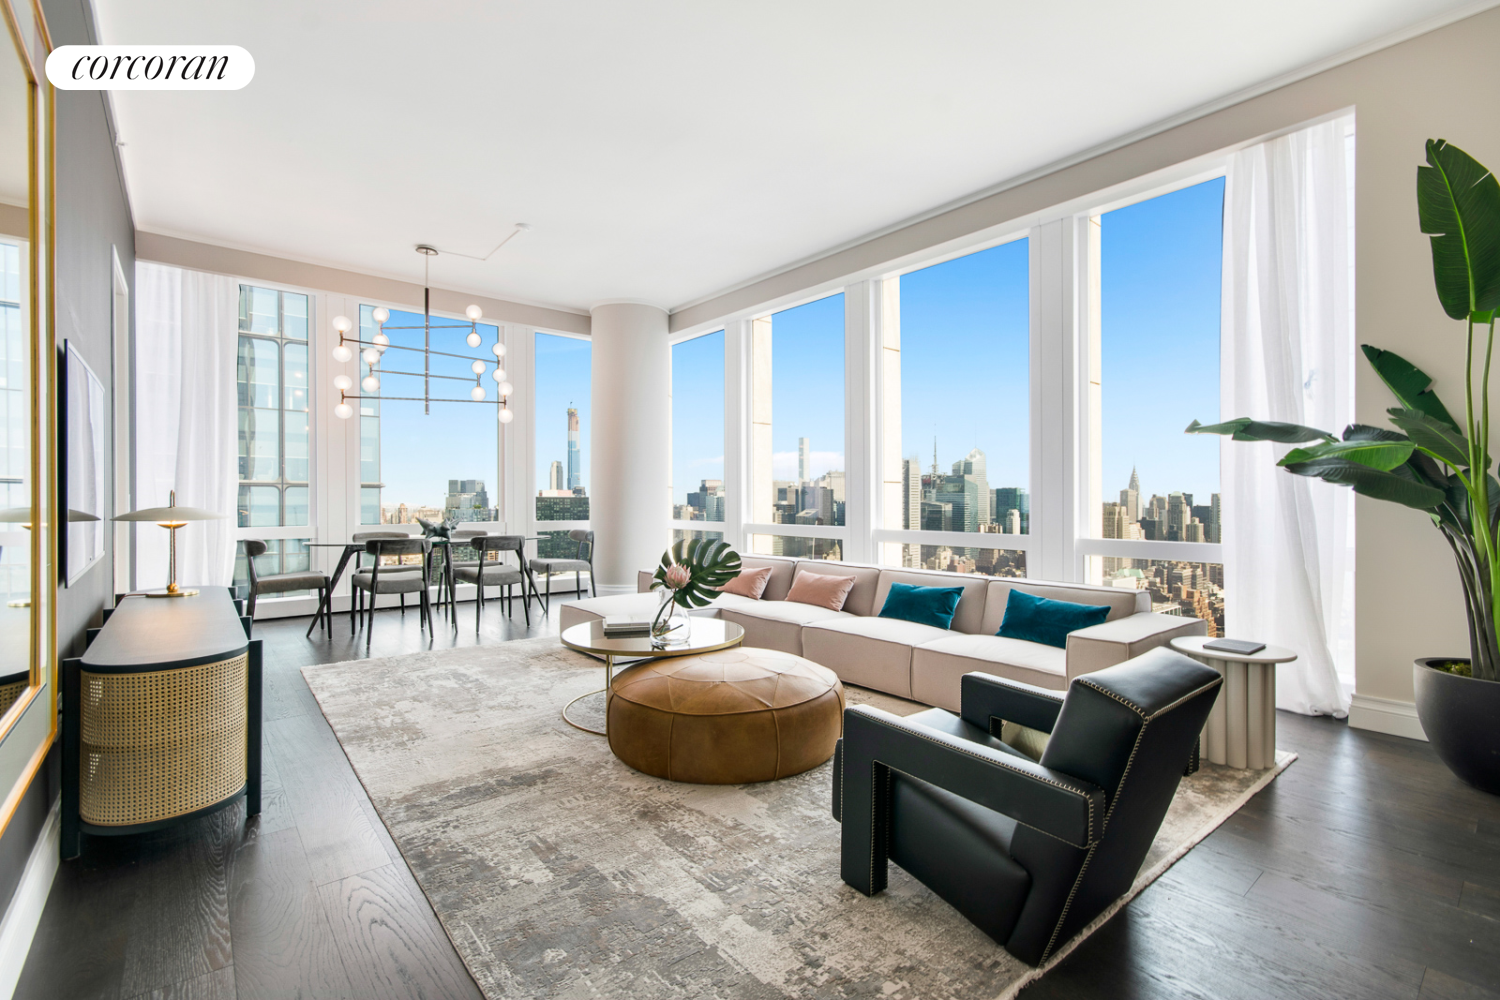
(575, 470)
(972, 466)
(911, 494)
(802, 461)
(1011, 498)
(1130, 498)
(555, 477)
(911, 507)
(1179, 516)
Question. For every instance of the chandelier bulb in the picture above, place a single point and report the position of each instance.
(477, 393)
(474, 339)
(371, 356)
(499, 350)
(342, 324)
(477, 368)
(343, 383)
(505, 388)
(474, 313)
(342, 353)
(506, 416)
(343, 411)
(380, 314)
(498, 374)
(381, 341)
(370, 384)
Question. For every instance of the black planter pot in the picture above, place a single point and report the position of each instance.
(1461, 716)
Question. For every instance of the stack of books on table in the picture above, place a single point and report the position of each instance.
(621, 627)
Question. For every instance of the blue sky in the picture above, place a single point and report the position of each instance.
(965, 372)
(419, 454)
(1161, 277)
(564, 377)
(807, 386)
(965, 362)
(697, 413)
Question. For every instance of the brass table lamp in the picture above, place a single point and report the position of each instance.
(171, 517)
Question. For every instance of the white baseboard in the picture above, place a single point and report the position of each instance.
(25, 911)
(1386, 715)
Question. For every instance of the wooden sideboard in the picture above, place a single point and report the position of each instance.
(161, 717)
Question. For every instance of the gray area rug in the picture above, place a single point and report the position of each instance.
(557, 871)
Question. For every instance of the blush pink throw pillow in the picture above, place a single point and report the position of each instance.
(821, 590)
(750, 583)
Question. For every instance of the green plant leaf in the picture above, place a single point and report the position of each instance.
(1458, 203)
(1437, 437)
(1245, 429)
(1365, 432)
(710, 564)
(1371, 482)
(1411, 386)
(1382, 455)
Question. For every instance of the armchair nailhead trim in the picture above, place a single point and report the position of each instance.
(999, 760)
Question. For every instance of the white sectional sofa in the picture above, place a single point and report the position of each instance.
(914, 661)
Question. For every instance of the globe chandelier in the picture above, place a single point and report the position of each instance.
(372, 353)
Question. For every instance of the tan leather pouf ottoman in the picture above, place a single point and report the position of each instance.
(725, 718)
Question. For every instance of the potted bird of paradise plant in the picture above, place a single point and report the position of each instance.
(1431, 461)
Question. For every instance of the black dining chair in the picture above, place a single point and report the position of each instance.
(394, 579)
(496, 573)
(282, 583)
(582, 561)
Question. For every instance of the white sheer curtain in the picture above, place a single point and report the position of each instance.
(1289, 355)
(186, 414)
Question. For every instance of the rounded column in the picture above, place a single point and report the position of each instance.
(630, 460)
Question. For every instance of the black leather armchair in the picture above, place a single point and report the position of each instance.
(1029, 851)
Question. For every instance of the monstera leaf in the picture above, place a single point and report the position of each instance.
(698, 567)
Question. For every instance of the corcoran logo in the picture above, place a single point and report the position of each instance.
(150, 67)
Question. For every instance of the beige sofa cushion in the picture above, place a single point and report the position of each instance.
(1121, 602)
(781, 574)
(936, 666)
(861, 596)
(641, 606)
(776, 624)
(968, 617)
(871, 652)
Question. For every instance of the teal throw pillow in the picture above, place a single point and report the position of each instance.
(1040, 619)
(924, 605)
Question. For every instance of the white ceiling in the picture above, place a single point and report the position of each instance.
(662, 149)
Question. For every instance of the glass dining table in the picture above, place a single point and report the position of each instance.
(447, 586)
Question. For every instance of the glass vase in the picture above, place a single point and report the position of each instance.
(670, 626)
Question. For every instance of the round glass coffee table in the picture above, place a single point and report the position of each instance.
(704, 636)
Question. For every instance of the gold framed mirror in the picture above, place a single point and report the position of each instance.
(28, 404)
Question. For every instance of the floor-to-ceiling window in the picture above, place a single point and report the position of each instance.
(698, 493)
(797, 431)
(563, 386)
(1153, 490)
(956, 396)
(428, 448)
(274, 430)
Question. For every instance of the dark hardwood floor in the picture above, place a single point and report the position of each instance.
(1365, 870)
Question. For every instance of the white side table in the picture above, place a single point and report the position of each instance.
(1241, 729)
